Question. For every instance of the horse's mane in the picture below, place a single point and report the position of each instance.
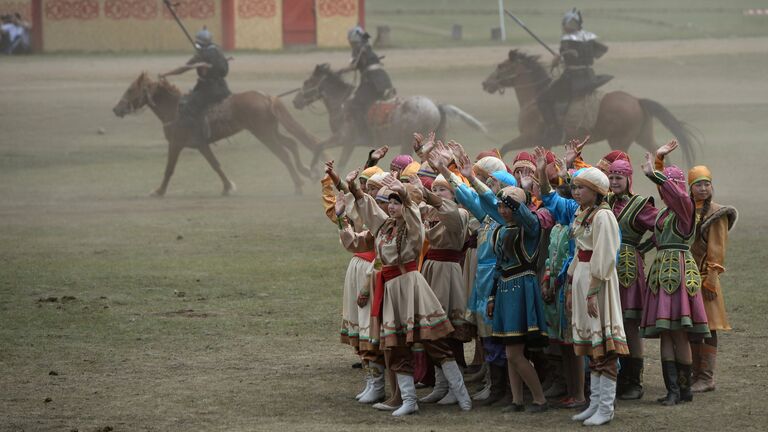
(335, 79)
(169, 88)
(540, 75)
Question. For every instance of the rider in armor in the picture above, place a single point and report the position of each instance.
(578, 50)
(212, 67)
(375, 84)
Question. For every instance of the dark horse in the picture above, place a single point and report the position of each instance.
(391, 122)
(260, 114)
(621, 118)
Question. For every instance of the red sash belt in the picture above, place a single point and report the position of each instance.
(387, 273)
(368, 256)
(446, 255)
(585, 255)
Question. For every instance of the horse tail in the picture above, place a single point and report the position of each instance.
(290, 124)
(681, 131)
(453, 110)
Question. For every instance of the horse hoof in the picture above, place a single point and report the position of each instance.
(232, 188)
(157, 193)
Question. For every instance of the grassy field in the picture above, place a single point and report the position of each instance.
(201, 312)
(429, 23)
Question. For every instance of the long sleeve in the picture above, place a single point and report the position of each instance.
(562, 209)
(526, 219)
(677, 200)
(412, 217)
(717, 240)
(356, 242)
(468, 198)
(490, 204)
(453, 218)
(605, 241)
(371, 214)
(646, 218)
(329, 198)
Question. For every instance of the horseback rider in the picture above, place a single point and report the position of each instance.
(375, 84)
(578, 49)
(212, 68)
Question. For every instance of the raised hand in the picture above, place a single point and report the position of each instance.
(526, 183)
(563, 173)
(427, 145)
(541, 159)
(647, 166)
(414, 180)
(573, 149)
(393, 184)
(667, 148)
(418, 142)
(465, 166)
(332, 172)
(380, 153)
(350, 178)
(456, 148)
(340, 204)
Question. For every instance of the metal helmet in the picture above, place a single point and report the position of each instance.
(204, 37)
(572, 19)
(357, 35)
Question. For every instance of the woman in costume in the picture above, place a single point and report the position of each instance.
(674, 309)
(713, 221)
(598, 330)
(636, 216)
(409, 310)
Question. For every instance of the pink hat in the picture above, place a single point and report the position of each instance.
(400, 162)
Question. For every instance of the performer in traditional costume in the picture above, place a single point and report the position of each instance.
(598, 329)
(713, 221)
(636, 216)
(409, 310)
(674, 308)
(515, 304)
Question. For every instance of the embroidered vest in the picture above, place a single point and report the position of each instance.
(626, 265)
(674, 264)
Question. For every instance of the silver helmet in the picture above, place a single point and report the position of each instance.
(357, 35)
(204, 37)
(572, 19)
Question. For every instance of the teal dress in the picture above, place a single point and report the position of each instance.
(518, 315)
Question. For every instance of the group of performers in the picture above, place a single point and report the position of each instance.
(541, 263)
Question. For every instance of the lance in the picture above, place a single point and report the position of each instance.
(521, 24)
(178, 21)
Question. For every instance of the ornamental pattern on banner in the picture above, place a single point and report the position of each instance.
(127, 9)
(195, 9)
(56, 10)
(329, 8)
(256, 8)
(22, 7)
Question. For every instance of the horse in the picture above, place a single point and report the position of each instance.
(621, 119)
(257, 112)
(391, 122)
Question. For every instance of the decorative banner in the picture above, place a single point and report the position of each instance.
(256, 8)
(130, 9)
(195, 9)
(12, 7)
(57, 10)
(329, 8)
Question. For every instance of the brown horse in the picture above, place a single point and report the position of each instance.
(260, 114)
(621, 118)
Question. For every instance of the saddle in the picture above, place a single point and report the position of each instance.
(579, 115)
(380, 113)
(216, 116)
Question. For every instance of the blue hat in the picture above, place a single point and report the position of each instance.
(505, 178)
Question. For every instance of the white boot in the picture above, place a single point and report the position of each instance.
(485, 392)
(408, 393)
(376, 392)
(440, 389)
(594, 399)
(456, 385)
(368, 382)
(604, 412)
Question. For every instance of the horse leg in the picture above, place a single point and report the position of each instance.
(207, 153)
(173, 157)
(274, 146)
(291, 145)
(348, 146)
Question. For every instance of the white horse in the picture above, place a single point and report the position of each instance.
(391, 122)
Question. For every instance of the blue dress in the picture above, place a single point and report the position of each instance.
(486, 258)
(518, 315)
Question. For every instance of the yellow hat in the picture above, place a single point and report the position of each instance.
(699, 173)
(368, 172)
(410, 170)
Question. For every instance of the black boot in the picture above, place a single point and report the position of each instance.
(669, 371)
(622, 379)
(498, 385)
(684, 380)
(633, 388)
